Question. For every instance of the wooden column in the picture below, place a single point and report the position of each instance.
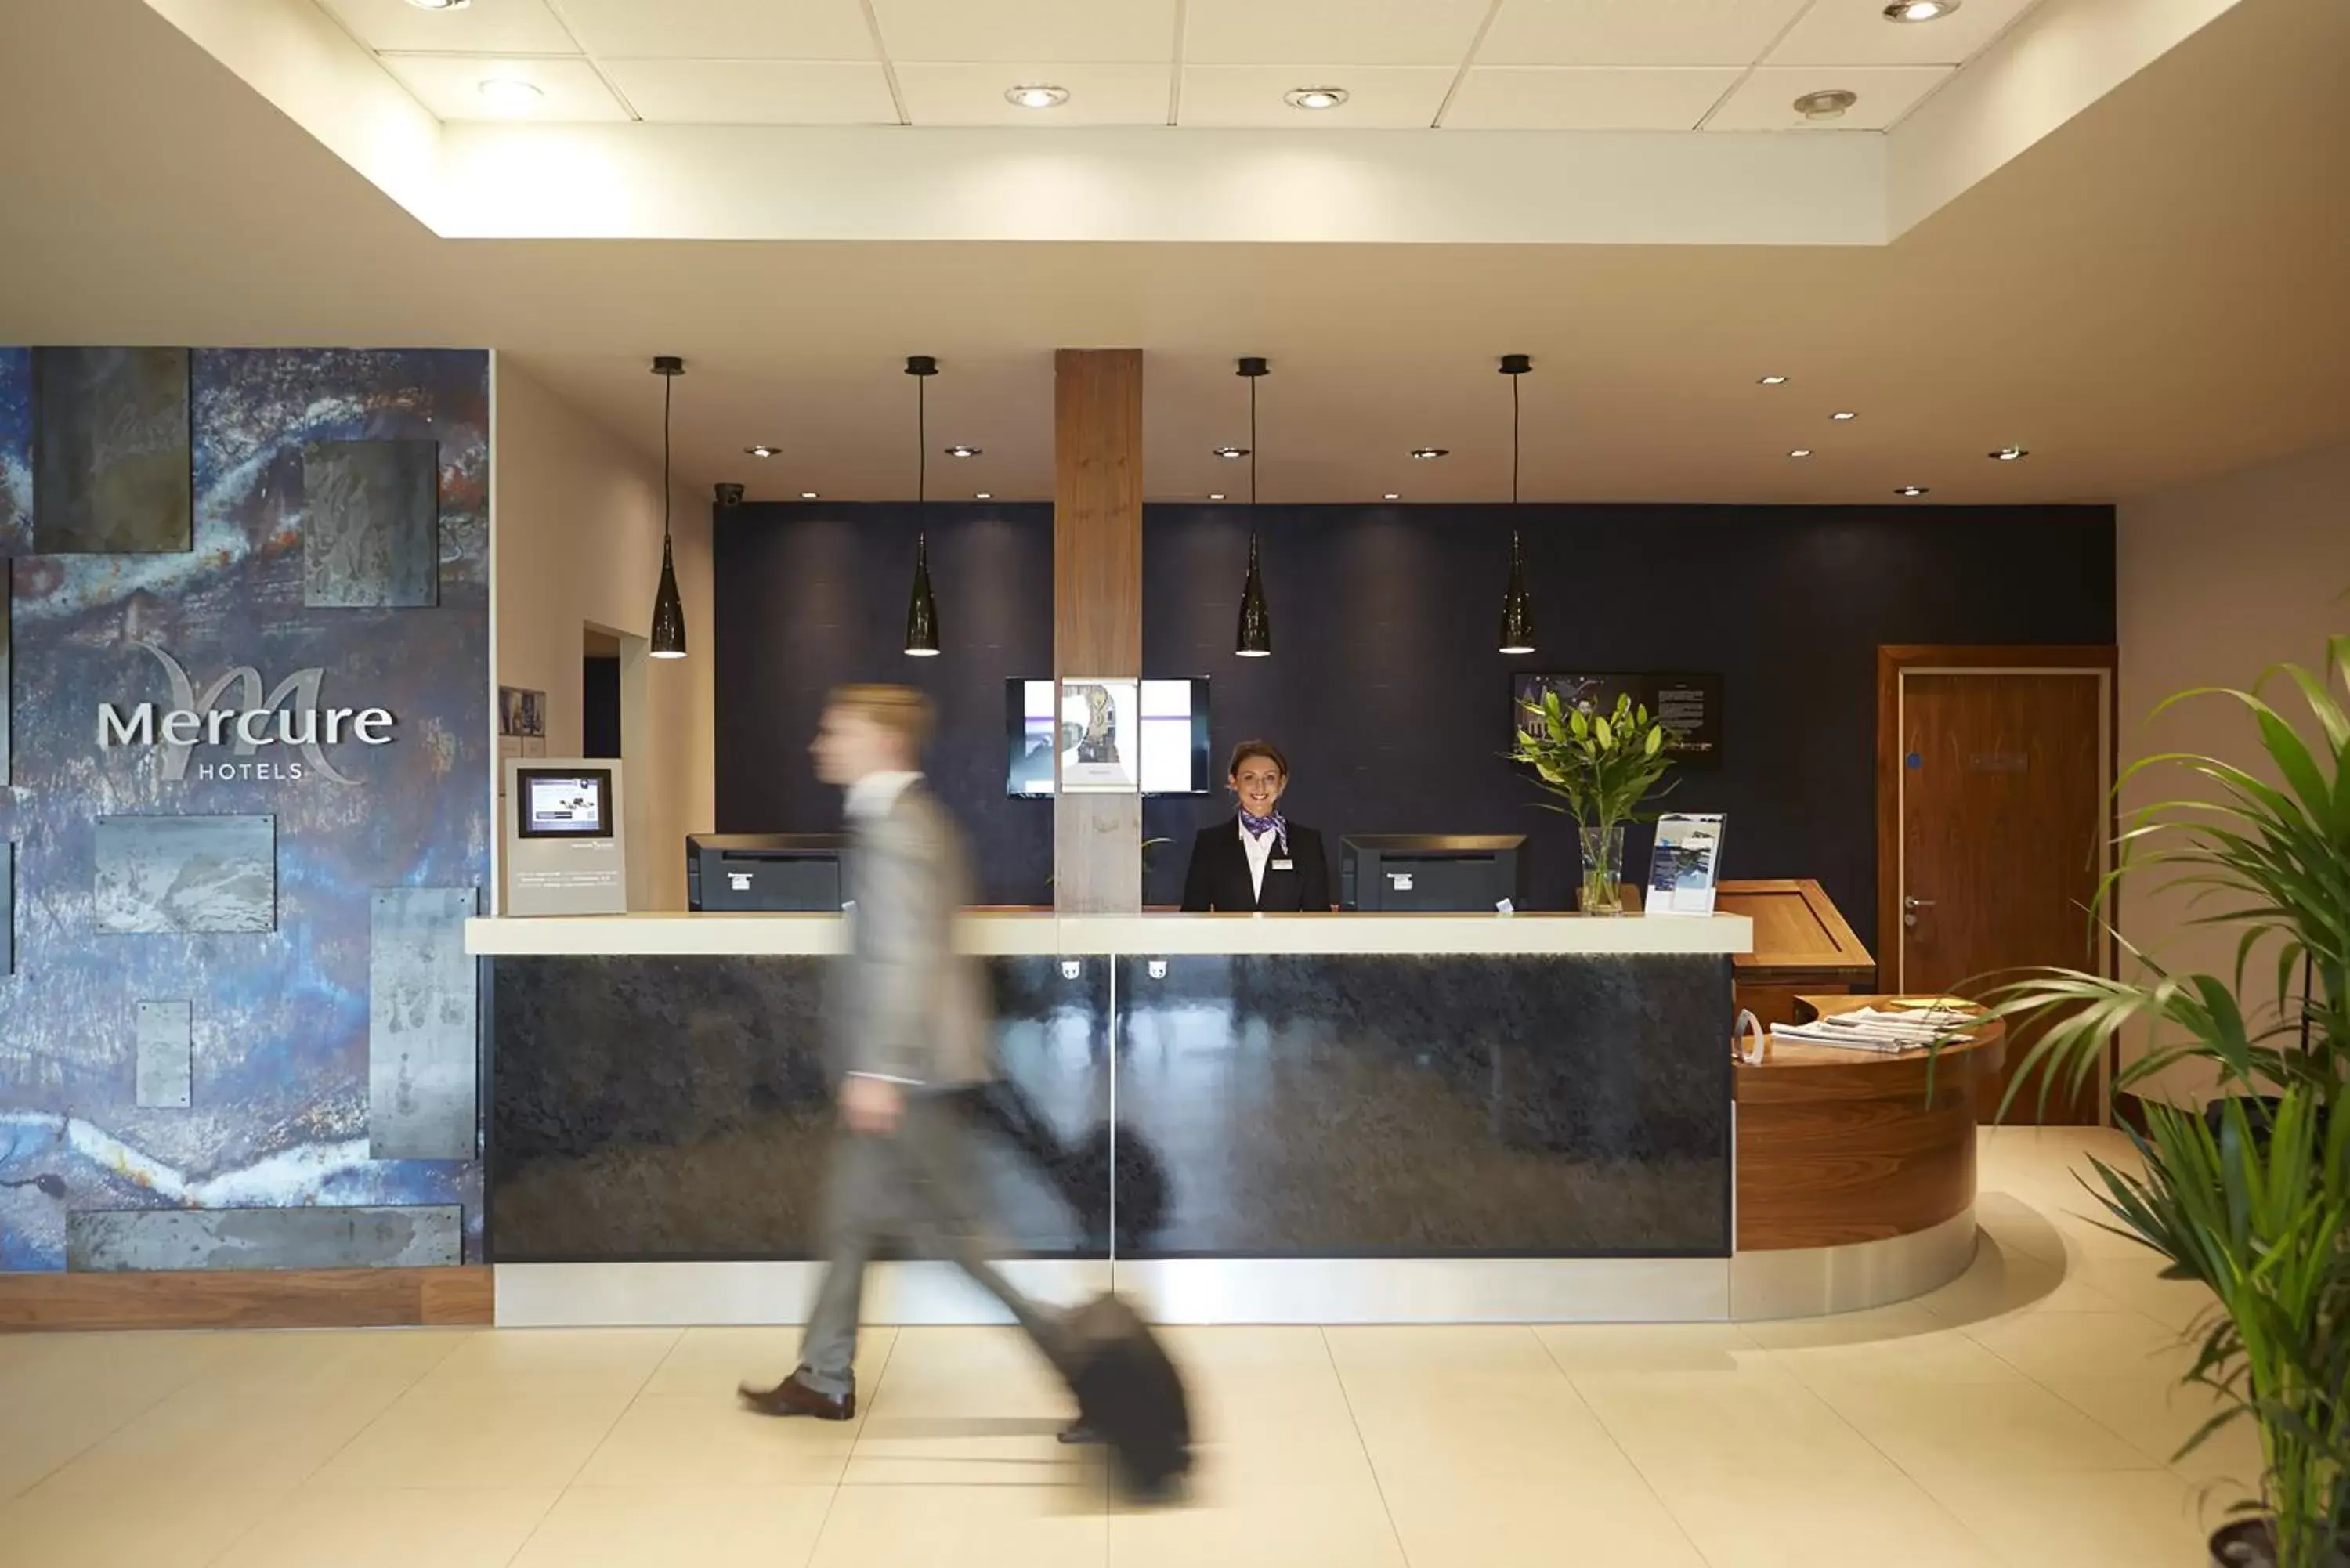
(1097, 603)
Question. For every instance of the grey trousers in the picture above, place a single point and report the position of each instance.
(920, 1185)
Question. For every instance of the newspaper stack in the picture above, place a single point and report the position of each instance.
(1886, 1031)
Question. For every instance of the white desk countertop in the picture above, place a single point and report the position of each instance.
(1020, 934)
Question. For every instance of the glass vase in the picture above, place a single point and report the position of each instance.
(1602, 890)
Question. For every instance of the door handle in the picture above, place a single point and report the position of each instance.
(1910, 908)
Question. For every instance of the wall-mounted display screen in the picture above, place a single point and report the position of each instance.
(563, 803)
(1688, 706)
(1170, 745)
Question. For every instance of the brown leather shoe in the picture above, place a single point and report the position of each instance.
(793, 1397)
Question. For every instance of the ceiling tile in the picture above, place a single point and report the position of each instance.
(1536, 97)
(1765, 100)
(756, 92)
(1326, 32)
(450, 85)
(484, 27)
(721, 29)
(1635, 32)
(1014, 31)
(1856, 32)
(973, 94)
(1378, 97)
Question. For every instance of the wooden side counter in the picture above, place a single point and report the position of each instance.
(1837, 1147)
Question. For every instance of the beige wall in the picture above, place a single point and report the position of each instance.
(578, 543)
(2216, 582)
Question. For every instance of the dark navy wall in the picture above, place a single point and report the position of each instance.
(1384, 688)
(810, 595)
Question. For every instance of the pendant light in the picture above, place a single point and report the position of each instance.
(1254, 639)
(921, 610)
(1517, 603)
(668, 610)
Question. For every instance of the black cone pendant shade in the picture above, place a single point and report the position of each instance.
(1254, 638)
(1517, 600)
(668, 641)
(921, 610)
(1517, 604)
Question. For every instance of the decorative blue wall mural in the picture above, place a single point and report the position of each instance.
(212, 683)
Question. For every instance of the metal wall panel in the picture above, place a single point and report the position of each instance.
(111, 470)
(164, 1038)
(143, 1239)
(371, 524)
(185, 874)
(422, 1039)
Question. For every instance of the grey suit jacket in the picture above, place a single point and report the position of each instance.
(914, 1007)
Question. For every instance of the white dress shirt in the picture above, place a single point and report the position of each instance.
(1259, 850)
(870, 797)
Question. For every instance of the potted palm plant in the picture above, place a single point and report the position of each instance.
(2250, 1196)
(1603, 765)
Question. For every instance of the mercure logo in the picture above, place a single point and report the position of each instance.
(231, 711)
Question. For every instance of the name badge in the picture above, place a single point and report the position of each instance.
(1282, 866)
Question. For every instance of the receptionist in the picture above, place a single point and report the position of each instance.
(1258, 860)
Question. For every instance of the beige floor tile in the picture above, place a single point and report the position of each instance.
(1811, 1520)
(714, 1361)
(2155, 1415)
(444, 1529)
(2130, 1519)
(62, 1394)
(1472, 1428)
(1998, 1427)
(1904, 1342)
(2002, 1280)
(1630, 1349)
(1436, 1351)
(1049, 1526)
(1235, 1522)
(679, 1526)
(972, 1405)
(1597, 1514)
(2136, 1283)
(1700, 1425)
(162, 1526)
(1263, 1351)
(2055, 1345)
(683, 1439)
(468, 1438)
(554, 1360)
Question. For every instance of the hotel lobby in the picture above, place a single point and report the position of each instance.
(1553, 634)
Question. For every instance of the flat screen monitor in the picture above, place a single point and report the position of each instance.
(1432, 873)
(1172, 746)
(767, 873)
(563, 803)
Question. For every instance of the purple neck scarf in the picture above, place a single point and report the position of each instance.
(1258, 826)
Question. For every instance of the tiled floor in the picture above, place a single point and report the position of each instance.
(2024, 1416)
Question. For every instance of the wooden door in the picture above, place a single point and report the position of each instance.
(1999, 787)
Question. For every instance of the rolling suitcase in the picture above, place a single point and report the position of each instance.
(1131, 1396)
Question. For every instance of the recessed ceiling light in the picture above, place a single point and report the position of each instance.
(440, 5)
(765, 451)
(963, 452)
(1771, 380)
(807, 495)
(1037, 95)
(1429, 453)
(983, 495)
(1843, 414)
(1232, 452)
(1828, 105)
(1215, 495)
(1920, 10)
(1315, 97)
(1392, 495)
(512, 95)
(2009, 454)
(1801, 451)
(1911, 490)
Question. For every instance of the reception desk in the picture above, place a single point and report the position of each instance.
(1352, 1117)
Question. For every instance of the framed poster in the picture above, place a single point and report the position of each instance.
(1100, 736)
(1687, 705)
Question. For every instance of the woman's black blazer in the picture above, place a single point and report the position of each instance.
(1219, 876)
